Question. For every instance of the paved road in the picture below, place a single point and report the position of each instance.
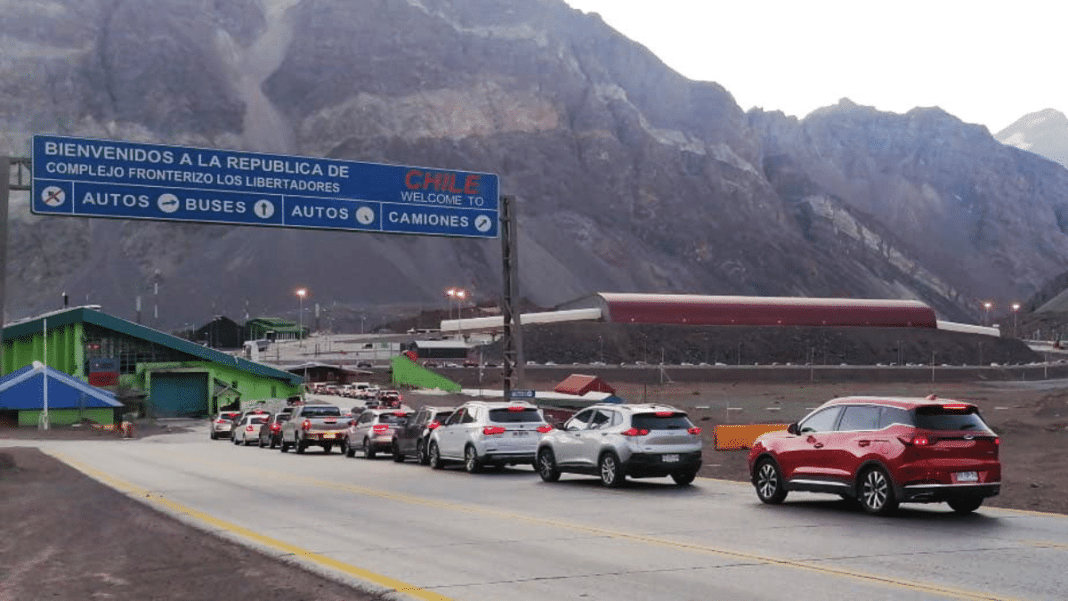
(507, 535)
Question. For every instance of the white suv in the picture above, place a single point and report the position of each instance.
(616, 441)
(494, 433)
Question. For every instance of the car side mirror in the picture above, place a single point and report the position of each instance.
(792, 429)
(559, 425)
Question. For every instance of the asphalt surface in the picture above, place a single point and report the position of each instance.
(450, 535)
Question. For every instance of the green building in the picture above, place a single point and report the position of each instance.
(273, 328)
(180, 378)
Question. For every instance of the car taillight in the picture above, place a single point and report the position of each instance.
(306, 425)
(694, 431)
(663, 414)
(248, 428)
(400, 413)
(432, 425)
(492, 430)
(997, 442)
(275, 427)
(380, 428)
(220, 421)
(545, 429)
(634, 432)
(516, 408)
(916, 440)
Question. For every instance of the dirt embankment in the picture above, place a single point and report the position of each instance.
(67, 536)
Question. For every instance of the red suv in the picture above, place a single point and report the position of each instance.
(881, 452)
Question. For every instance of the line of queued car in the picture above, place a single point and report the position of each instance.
(609, 441)
(877, 452)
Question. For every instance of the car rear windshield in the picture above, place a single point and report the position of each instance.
(389, 418)
(282, 417)
(513, 416)
(441, 416)
(653, 421)
(257, 420)
(321, 412)
(942, 418)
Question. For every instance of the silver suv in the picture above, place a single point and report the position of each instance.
(373, 431)
(616, 441)
(494, 433)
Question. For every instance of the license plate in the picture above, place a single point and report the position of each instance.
(670, 458)
(328, 435)
(967, 476)
(520, 433)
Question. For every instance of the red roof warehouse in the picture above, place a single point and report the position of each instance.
(692, 309)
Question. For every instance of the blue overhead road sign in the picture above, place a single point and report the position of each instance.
(100, 178)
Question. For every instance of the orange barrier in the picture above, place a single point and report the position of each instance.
(729, 438)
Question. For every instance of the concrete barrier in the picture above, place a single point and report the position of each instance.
(735, 437)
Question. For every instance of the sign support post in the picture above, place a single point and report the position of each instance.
(512, 339)
(6, 163)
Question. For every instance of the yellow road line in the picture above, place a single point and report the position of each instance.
(158, 499)
(945, 591)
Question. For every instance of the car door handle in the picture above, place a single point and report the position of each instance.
(818, 445)
(863, 443)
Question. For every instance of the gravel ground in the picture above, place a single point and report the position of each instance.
(68, 537)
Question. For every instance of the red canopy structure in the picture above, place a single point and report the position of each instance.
(579, 385)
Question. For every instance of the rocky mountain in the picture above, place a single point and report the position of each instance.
(628, 176)
(1044, 133)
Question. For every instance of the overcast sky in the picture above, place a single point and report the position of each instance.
(988, 62)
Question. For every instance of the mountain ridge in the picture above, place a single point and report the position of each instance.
(628, 176)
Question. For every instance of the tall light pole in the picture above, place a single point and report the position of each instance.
(1015, 309)
(457, 294)
(301, 293)
(986, 316)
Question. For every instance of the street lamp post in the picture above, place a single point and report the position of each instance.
(301, 293)
(1015, 309)
(986, 316)
(457, 294)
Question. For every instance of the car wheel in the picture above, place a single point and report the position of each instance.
(327, 447)
(768, 483)
(471, 461)
(547, 468)
(368, 452)
(350, 451)
(420, 452)
(611, 472)
(213, 435)
(284, 446)
(301, 446)
(965, 505)
(434, 457)
(274, 443)
(684, 478)
(877, 492)
(260, 442)
(397, 455)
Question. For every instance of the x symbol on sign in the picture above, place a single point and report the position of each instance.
(54, 196)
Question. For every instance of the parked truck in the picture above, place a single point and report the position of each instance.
(314, 425)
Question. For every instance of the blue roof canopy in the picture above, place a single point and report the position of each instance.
(24, 390)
